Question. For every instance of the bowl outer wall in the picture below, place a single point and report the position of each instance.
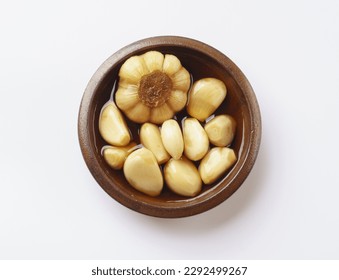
(151, 206)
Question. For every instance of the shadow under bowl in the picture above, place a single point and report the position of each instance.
(201, 61)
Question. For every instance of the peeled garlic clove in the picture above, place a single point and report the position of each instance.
(205, 97)
(216, 163)
(150, 137)
(116, 156)
(112, 126)
(195, 139)
(171, 137)
(182, 177)
(221, 130)
(142, 172)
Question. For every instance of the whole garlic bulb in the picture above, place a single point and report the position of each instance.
(152, 87)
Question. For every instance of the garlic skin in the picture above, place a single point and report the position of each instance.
(221, 130)
(116, 156)
(182, 177)
(205, 97)
(172, 138)
(152, 87)
(150, 138)
(196, 142)
(216, 163)
(142, 172)
(112, 126)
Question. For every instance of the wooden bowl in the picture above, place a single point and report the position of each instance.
(201, 61)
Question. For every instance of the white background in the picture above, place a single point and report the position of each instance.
(52, 208)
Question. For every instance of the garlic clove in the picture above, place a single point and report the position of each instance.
(142, 172)
(161, 113)
(132, 70)
(154, 60)
(171, 137)
(217, 161)
(221, 130)
(196, 142)
(182, 177)
(116, 156)
(171, 64)
(181, 80)
(177, 100)
(126, 98)
(140, 113)
(150, 138)
(112, 126)
(205, 97)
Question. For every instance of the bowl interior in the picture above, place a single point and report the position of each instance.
(200, 63)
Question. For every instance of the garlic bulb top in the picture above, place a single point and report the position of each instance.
(152, 87)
